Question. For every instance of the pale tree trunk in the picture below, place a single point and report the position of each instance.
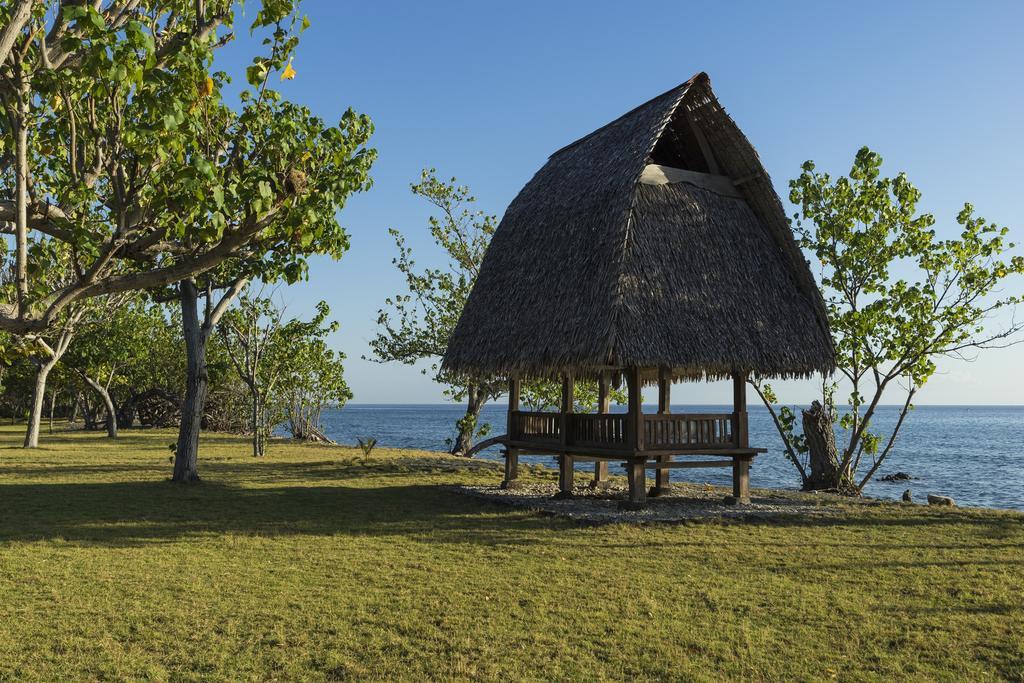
(43, 367)
(197, 378)
(73, 414)
(35, 414)
(258, 442)
(108, 404)
(20, 15)
(246, 344)
(475, 399)
(21, 192)
(823, 458)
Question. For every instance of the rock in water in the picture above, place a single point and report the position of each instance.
(940, 500)
(897, 476)
(906, 497)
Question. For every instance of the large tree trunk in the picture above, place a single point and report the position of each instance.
(73, 415)
(108, 404)
(35, 414)
(186, 455)
(475, 399)
(821, 444)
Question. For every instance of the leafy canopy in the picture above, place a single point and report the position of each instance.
(898, 297)
(137, 161)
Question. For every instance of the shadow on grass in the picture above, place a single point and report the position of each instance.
(141, 439)
(134, 513)
(256, 470)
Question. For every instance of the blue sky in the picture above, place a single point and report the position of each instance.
(485, 91)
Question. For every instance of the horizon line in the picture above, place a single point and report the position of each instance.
(895, 405)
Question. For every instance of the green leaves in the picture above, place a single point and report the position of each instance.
(897, 297)
(95, 18)
(131, 137)
(416, 325)
(256, 73)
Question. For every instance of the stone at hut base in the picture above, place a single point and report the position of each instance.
(907, 498)
(563, 495)
(656, 491)
(733, 500)
(941, 500)
(600, 485)
(512, 484)
(631, 506)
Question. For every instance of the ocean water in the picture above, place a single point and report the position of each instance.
(973, 453)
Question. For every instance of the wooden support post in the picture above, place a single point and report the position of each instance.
(664, 391)
(662, 485)
(741, 439)
(513, 406)
(566, 408)
(604, 395)
(637, 475)
(604, 404)
(565, 462)
(511, 468)
(600, 480)
(739, 407)
(635, 417)
(565, 476)
(511, 454)
(740, 481)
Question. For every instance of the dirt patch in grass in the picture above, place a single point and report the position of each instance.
(684, 502)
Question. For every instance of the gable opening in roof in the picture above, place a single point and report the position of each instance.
(683, 146)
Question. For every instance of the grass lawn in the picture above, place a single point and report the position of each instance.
(318, 563)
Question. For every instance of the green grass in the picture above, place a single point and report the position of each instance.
(318, 563)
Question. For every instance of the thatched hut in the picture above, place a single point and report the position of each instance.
(654, 249)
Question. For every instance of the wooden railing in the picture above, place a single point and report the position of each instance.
(693, 430)
(598, 430)
(536, 426)
(685, 431)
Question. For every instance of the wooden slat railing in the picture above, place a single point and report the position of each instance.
(527, 426)
(597, 430)
(685, 431)
(688, 430)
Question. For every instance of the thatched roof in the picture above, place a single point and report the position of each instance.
(603, 260)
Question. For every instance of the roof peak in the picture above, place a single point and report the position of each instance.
(700, 76)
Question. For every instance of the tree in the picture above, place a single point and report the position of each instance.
(264, 349)
(196, 333)
(107, 355)
(93, 93)
(417, 325)
(44, 352)
(283, 173)
(541, 395)
(123, 149)
(250, 334)
(898, 299)
(315, 379)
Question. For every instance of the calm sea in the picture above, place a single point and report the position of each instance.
(973, 453)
